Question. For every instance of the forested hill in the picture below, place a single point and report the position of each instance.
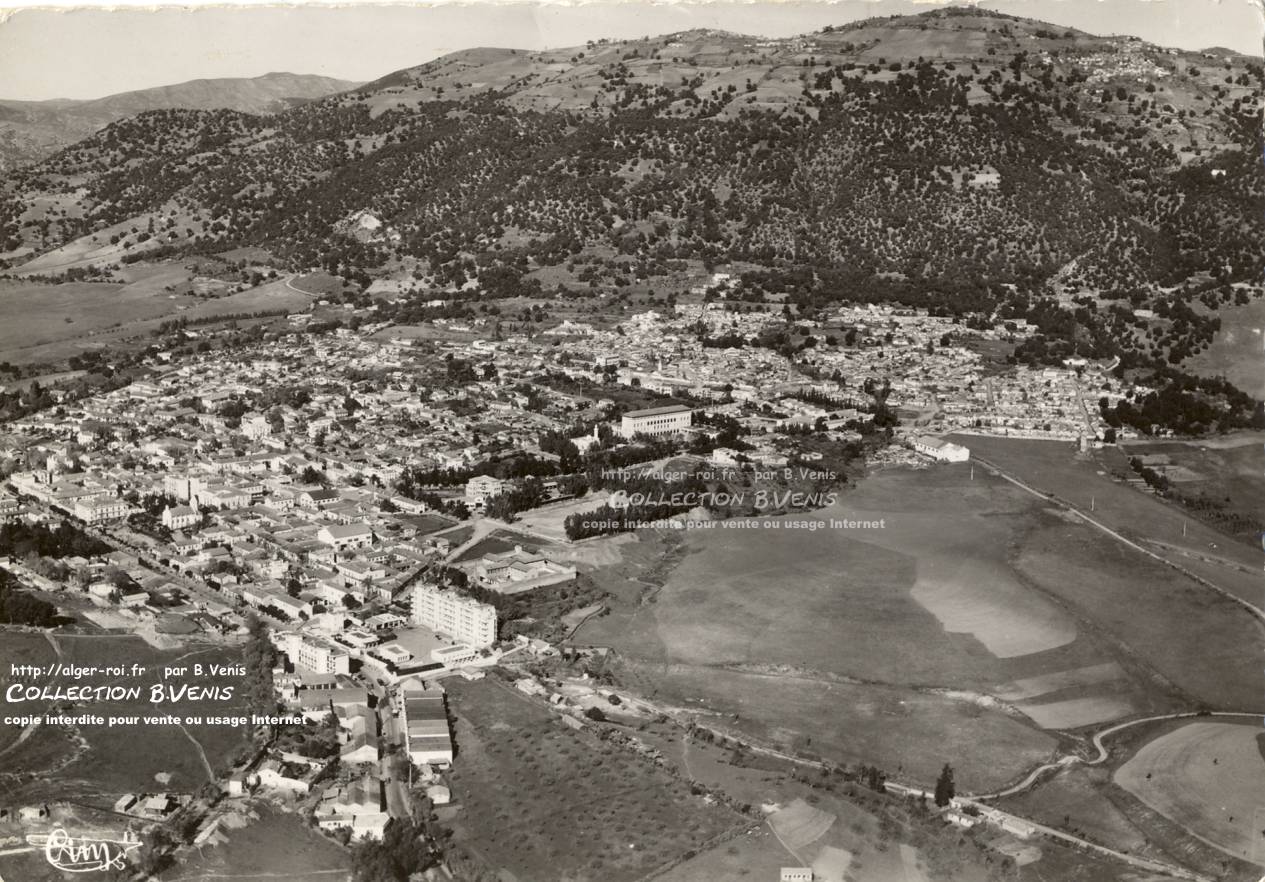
(958, 158)
(33, 130)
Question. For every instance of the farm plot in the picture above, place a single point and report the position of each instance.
(579, 809)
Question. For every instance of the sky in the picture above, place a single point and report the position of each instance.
(89, 53)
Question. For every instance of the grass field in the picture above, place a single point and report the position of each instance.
(32, 314)
(40, 322)
(972, 587)
(1230, 475)
(103, 760)
(1052, 467)
(1208, 777)
(578, 808)
(272, 845)
(909, 734)
(1238, 351)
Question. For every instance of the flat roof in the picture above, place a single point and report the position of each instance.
(656, 411)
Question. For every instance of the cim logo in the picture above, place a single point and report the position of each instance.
(84, 855)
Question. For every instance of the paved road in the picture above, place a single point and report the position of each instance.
(1252, 608)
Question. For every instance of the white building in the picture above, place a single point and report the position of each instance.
(481, 488)
(656, 421)
(256, 426)
(939, 449)
(179, 517)
(344, 536)
(315, 655)
(94, 511)
(462, 618)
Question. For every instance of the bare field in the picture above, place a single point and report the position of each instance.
(944, 595)
(1180, 632)
(1208, 777)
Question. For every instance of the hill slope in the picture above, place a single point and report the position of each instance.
(960, 159)
(33, 130)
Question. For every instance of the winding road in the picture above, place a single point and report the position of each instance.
(1097, 741)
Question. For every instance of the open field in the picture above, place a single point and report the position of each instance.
(909, 734)
(267, 844)
(426, 523)
(97, 763)
(971, 588)
(32, 314)
(549, 520)
(42, 322)
(579, 809)
(1231, 476)
(1053, 467)
(498, 542)
(1238, 350)
(1208, 777)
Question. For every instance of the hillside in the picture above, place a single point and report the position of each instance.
(33, 130)
(959, 159)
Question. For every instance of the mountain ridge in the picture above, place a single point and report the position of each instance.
(965, 162)
(32, 130)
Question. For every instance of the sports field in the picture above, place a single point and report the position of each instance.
(1208, 777)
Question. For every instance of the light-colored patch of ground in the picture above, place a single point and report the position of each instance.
(1031, 687)
(112, 620)
(799, 824)
(549, 520)
(983, 599)
(1077, 712)
(1020, 852)
(603, 552)
(831, 864)
(576, 616)
(1209, 778)
(913, 869)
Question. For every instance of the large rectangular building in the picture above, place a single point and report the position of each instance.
(656, 421)
(425, 722)
(939, 449)
(462, 618)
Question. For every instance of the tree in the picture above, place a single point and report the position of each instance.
(259, 657)
(944, 786)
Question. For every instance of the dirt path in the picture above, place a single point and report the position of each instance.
(206, 764)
